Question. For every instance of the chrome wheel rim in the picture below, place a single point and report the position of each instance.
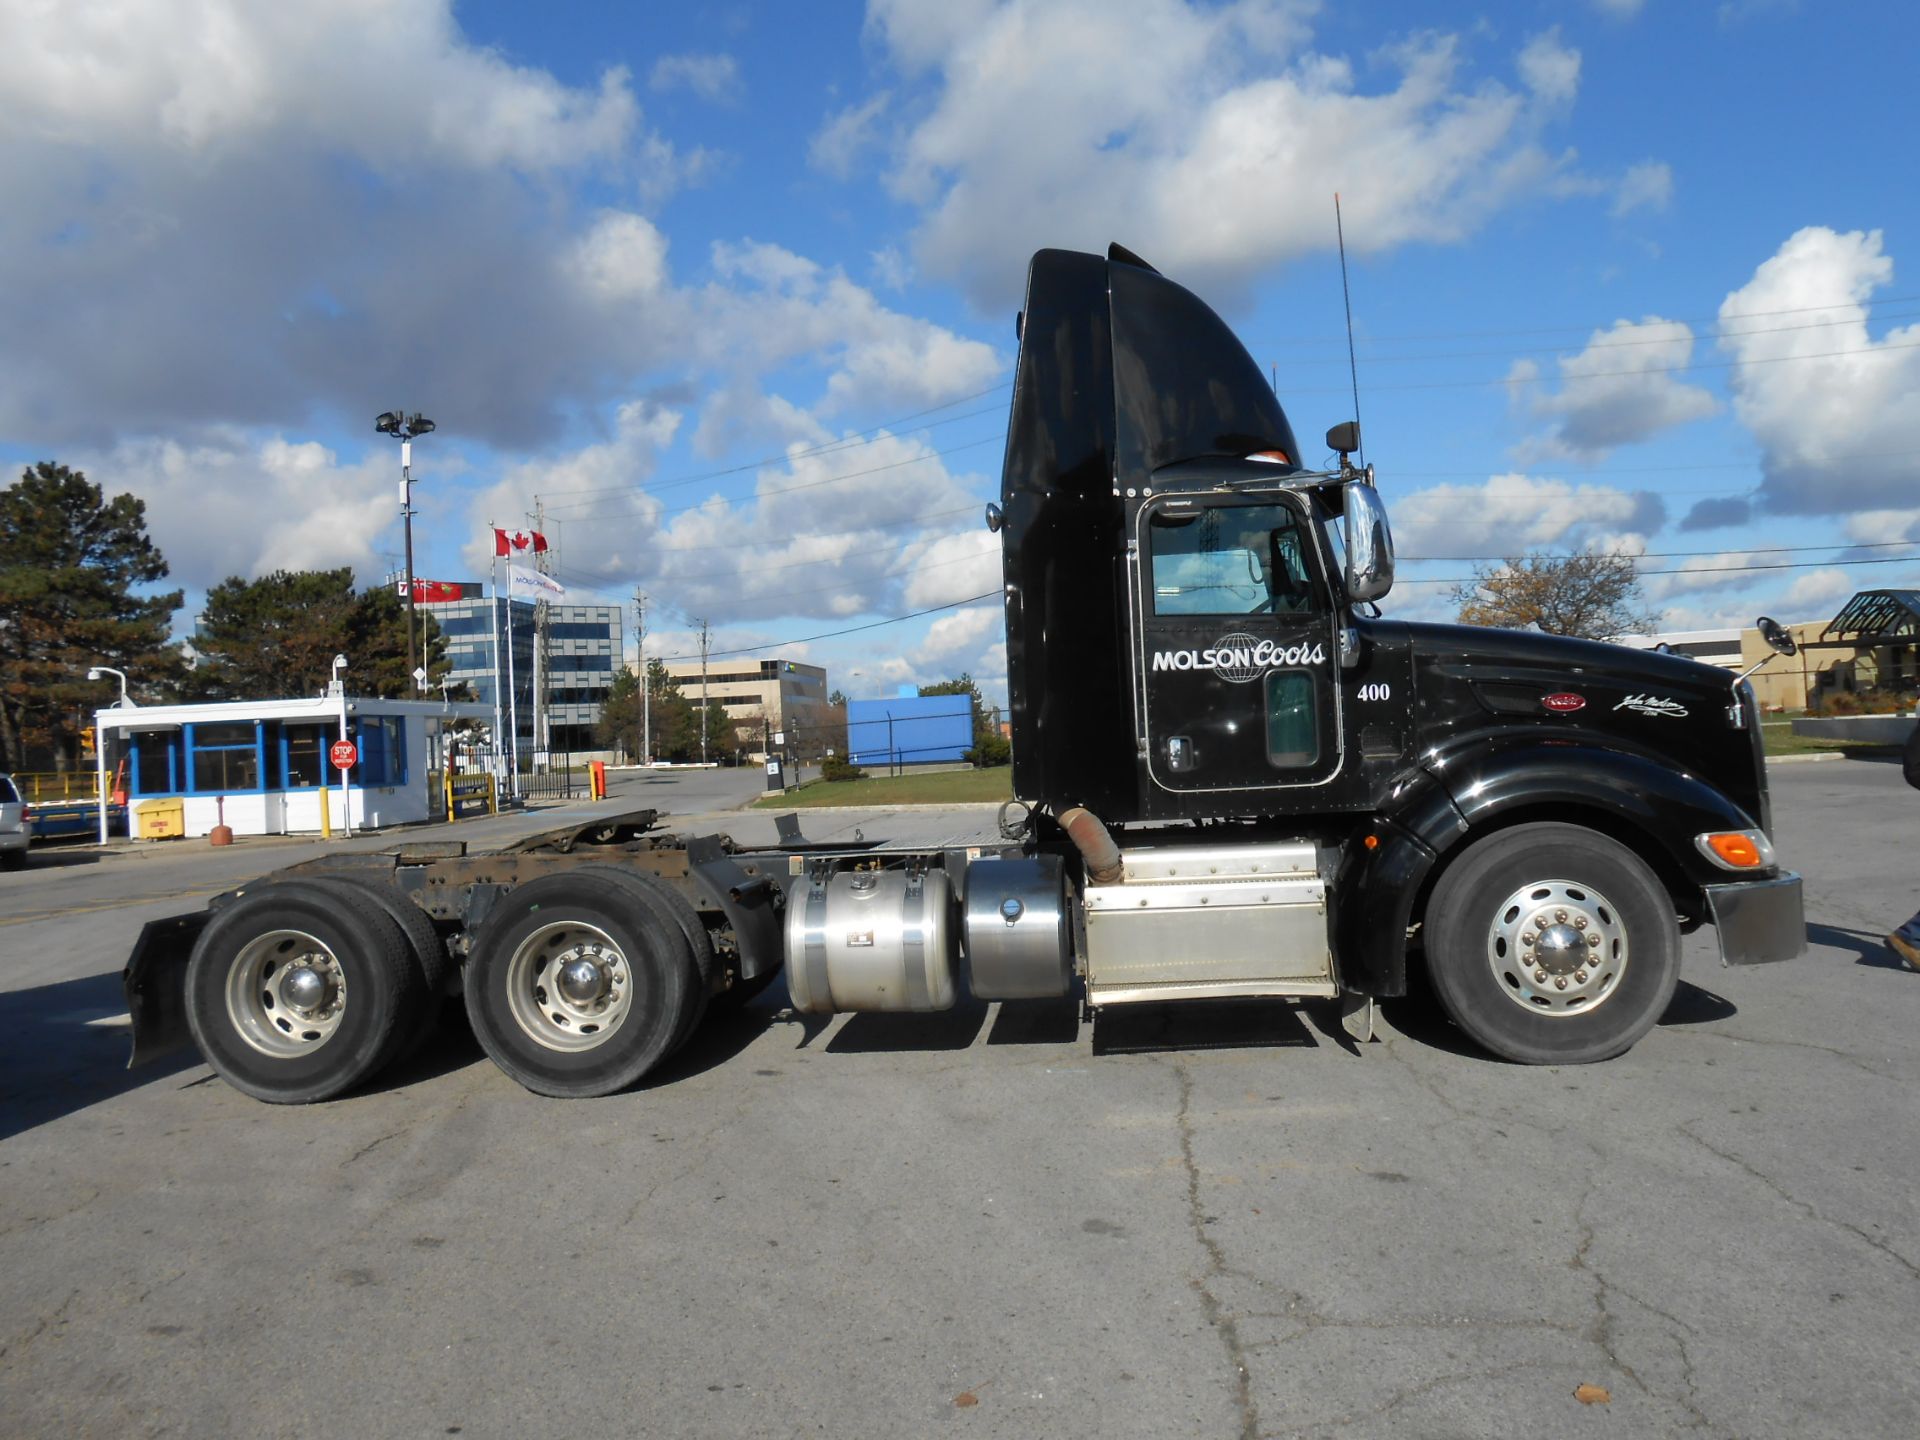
(569, 986)
(286, 993)
(1557, 948)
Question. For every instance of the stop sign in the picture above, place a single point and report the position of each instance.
(344, 754)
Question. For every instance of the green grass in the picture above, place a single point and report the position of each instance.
(1780, 740)
(943, 787)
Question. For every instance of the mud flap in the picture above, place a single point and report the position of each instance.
(1356, 1016)
(155, 983)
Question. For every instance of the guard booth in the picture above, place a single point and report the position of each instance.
(261, 766)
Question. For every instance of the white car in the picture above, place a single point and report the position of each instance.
(16, 826)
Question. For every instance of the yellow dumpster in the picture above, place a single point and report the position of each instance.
(163, 819)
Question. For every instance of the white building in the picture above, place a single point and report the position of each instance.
(261, 766)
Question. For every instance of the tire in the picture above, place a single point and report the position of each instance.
(1559, 886)
(428, 945)
(593, 1045)
(243, 982)
(699, 943)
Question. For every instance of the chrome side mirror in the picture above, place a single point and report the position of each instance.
(1369, 544)
(1775, 634)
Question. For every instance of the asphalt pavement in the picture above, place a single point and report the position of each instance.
(1204, 1222)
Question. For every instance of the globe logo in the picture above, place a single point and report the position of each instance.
(1238, 658)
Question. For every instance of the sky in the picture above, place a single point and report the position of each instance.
(726, 292)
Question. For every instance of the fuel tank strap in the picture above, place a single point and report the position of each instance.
(818, 989)
(913, 944)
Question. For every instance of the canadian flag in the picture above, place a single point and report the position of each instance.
(516, 542)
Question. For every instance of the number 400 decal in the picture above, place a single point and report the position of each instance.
(1380, 691)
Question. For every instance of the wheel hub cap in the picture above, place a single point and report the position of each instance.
(582, 981)
(1557, 947)
(305, 989)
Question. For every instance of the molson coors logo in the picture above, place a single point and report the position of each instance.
(1239, 659)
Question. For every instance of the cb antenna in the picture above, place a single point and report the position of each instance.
(1353, 365)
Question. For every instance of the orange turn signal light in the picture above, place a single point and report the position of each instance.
(1735, 849)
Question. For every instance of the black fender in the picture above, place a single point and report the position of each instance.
(1645, 803)
(750, 895)
(155, 984)
(1383, 872)
(1432, 814)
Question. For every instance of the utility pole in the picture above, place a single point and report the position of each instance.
(406, 428)
(705, 636)
(646, 686)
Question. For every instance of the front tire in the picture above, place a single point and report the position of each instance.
(1552, 944)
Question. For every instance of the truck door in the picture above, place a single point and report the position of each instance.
(1236, 675)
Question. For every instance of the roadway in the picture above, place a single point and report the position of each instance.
(1221, 1224)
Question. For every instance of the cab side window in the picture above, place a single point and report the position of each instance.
(1231, 560)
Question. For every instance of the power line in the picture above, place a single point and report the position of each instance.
(1689, 554)
(1883, 301)
(850, 630)
(1697, 569)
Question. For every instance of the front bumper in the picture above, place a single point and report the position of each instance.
(1759, 921)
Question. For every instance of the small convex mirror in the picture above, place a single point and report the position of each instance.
(1775, 634)
(1369, 543)
(995, 519)
(1344, 438)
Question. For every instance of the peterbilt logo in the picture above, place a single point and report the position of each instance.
(1240, 659)
(1564, 702)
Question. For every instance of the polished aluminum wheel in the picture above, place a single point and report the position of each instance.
(569, 986)
(286, 993)
(1557, 948)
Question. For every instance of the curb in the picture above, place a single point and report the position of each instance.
(895, 809)
(1816, 756)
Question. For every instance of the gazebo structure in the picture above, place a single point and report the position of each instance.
(1882, 628)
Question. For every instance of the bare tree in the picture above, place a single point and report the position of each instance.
(1590, 595)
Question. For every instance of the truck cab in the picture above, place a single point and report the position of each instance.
(1195, 658)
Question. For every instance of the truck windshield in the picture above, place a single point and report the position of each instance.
(1230, 560)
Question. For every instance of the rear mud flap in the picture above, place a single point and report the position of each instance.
(155, 983)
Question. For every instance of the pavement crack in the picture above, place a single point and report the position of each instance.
(1223, 1323)
(1803, 1206)
(373, 1145)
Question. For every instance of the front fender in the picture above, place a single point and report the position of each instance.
(1513, 778)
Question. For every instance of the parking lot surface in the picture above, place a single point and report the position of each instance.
(1206, 1222)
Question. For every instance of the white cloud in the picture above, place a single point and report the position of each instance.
(229, 504)
(847, 134)
(1820, 592)
(1729, 570)
(1832, 407)
(1648, 185)
(332, 223)
(1167, 106)
(712, 77)
(1510, 514)
(1549, 69)
(622, 257)
(1869, 527)
(1620, 9)
(784, 305)
(1617, 391)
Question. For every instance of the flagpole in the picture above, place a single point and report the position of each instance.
(513, 693)
(493, 615)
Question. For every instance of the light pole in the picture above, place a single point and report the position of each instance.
(404, 428)
(94, 672)
(346, 794)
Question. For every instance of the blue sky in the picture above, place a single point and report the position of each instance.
(730, 288)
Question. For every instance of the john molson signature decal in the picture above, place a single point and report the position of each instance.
(1652, 705)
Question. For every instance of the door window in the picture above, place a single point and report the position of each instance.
(1230, 560)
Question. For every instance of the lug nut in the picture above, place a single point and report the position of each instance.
(1539, 977)
(1560, 915)
(1580, 922)
(1579, 977)
(1560, 982)
(1593, 937)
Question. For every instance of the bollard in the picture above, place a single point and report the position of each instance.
(326, 812)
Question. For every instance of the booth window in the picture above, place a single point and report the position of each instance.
(225, 757)
(383, 751)
(155, 762)
(303, 749)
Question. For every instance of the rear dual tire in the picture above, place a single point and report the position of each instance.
(300, 990)
(581, 983)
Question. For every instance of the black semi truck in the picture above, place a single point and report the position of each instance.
(1235, 779)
